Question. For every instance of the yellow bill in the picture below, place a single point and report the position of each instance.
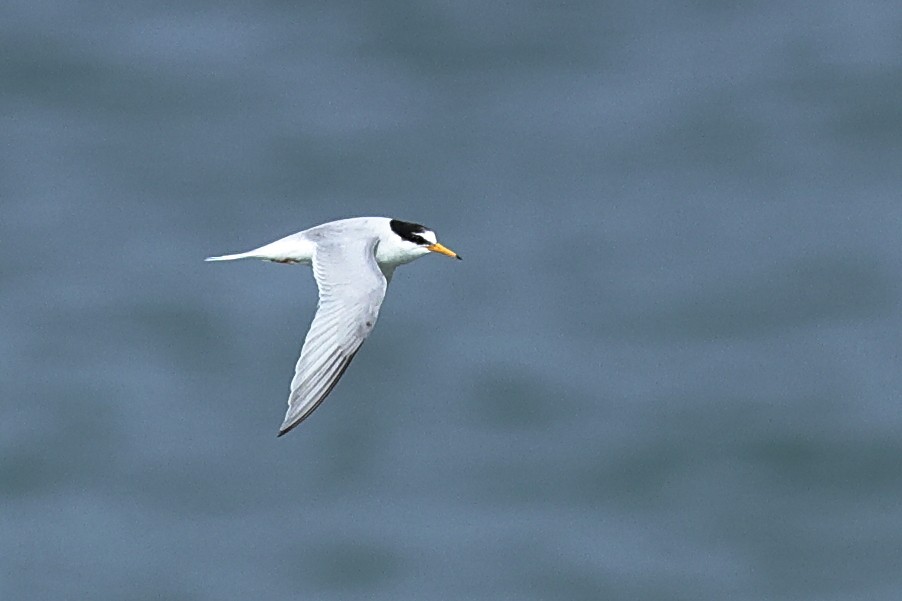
(438, 248)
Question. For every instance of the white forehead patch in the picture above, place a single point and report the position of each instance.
(430, 236)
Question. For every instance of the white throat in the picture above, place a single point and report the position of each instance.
(392, 251)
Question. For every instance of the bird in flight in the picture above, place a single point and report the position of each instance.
(353, 261)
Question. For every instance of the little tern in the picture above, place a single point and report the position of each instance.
(353, 261)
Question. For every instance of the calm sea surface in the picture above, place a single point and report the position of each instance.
(668, 367)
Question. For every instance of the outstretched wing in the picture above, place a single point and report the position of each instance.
(351, 289)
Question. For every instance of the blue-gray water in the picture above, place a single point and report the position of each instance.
(668, 367)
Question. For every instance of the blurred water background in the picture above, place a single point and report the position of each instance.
(668, 367)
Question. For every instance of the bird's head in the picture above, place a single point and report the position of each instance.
(413, 240)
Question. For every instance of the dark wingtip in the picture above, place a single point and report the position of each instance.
(286, 430)
(459, 258)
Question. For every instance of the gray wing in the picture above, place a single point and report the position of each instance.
(351, 289)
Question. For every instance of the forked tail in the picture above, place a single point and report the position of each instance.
(246, 255)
